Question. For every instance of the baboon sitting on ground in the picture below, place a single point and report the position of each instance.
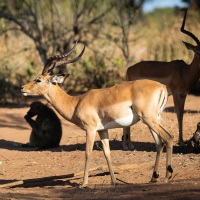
(46, 128)
(195, 140)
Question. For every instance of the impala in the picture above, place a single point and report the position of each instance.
(178, 77)
(101, 109)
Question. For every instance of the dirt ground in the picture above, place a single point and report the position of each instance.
(18, 163)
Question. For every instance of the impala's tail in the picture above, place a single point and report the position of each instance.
(162, 101)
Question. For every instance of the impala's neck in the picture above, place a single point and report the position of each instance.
(194, 69)
(63, 103)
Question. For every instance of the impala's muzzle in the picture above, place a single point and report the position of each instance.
(23, 91)
(29, 89)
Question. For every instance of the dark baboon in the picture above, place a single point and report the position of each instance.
(195, 140)
(46, 128)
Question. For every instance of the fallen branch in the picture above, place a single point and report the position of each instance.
(102, 168)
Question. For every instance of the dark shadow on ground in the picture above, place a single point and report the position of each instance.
(172, 110)
(114, 145)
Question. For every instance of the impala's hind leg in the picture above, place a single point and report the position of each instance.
(169, 148)
(167, 138)
(159, 149)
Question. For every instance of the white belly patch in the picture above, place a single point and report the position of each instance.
(119, 123)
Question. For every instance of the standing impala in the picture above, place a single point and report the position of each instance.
(101, 109)
(178, 76)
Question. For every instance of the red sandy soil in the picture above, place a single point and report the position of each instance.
(18, 163)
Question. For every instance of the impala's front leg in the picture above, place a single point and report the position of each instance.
(106, 149)
(90, 137)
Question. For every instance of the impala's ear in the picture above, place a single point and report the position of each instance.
(189, 46)
(59, 78)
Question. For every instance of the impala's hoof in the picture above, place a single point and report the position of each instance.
(114, 184)
(166, 180)
(84, 184)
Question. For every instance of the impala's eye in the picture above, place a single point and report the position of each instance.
(37, 80)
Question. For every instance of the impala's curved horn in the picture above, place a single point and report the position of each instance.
(65, 61)
(188, 32)
(58, 60)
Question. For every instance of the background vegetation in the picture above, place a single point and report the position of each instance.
(116, 34)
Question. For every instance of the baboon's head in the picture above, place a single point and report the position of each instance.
(35, 108)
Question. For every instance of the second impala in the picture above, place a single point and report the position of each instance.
(101, 109)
